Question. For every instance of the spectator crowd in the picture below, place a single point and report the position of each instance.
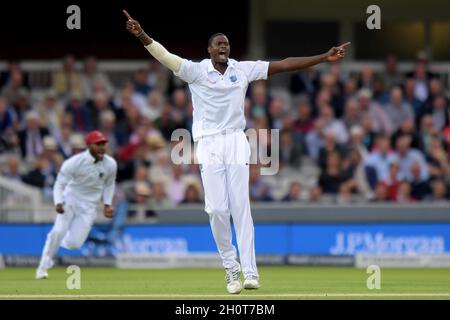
(344, 137)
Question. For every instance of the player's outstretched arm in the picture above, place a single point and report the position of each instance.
(295, 64)
(171, 61)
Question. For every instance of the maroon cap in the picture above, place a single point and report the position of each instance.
(95, 137)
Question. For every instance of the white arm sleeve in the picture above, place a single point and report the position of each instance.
(255, 70)
(63, 178)
(170, 60)
(189, 71)
(110, 184)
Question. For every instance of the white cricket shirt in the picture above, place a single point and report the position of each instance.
(85, 180)
(218, 99)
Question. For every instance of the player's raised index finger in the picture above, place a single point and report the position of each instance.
(127, 15)
(344, 45)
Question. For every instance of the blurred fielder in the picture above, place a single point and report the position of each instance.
(218, 86)
(82, 181)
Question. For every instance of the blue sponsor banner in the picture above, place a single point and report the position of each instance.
(276, 239)
(349, 239)
(24, 239)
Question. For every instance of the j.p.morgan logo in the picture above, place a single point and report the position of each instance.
(365, 242)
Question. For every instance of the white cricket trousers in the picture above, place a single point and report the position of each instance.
(70, 229)
(224, 165)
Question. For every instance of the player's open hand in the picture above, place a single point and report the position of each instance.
(133, 26)
(59, 208)
(337, 53)
(108, 211)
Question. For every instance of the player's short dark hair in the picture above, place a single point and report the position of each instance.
(211, 39)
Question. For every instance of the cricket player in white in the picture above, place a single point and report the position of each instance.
(81, 183)
(218, 86)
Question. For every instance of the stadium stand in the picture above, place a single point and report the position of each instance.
(349, 133)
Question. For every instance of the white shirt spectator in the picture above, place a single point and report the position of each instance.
(398, 114)
(381, 162)
(408, 160)
(140, 101)
(421, 90)
(218, 99)
(85, 179)
(339, 130)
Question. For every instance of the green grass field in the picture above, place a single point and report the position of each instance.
(276, 283)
